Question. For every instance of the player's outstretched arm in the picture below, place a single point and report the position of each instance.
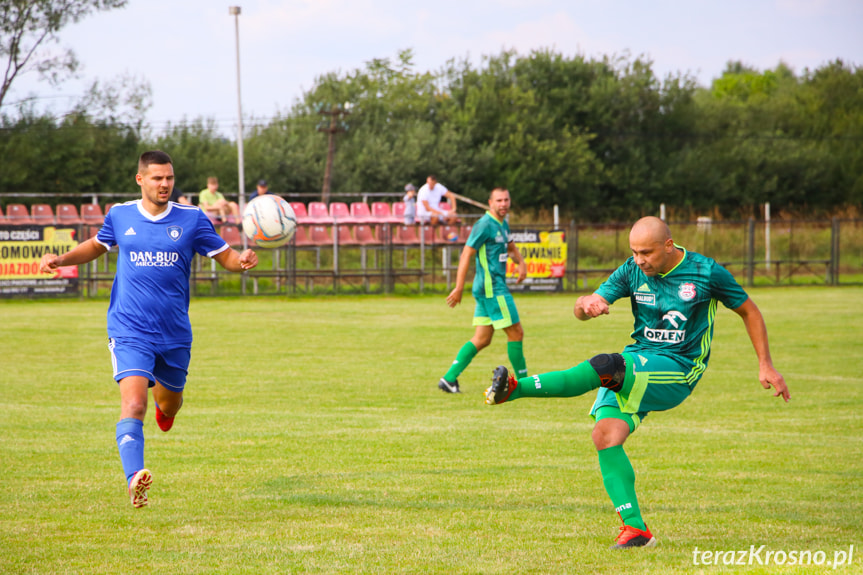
(590, 306)
(454, 297)
(84, 252)
(757, 330)
(233, 261)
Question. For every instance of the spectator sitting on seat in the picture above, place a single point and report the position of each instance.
(428, 203)
(261, 189)
(410, 201)
(214, 204)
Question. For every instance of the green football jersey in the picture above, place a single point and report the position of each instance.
(674, 312)
(489, 237)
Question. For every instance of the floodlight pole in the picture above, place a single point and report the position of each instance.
(235, 12)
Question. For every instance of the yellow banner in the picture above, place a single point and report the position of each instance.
(21, 249)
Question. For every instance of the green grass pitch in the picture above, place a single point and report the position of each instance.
(314, 440)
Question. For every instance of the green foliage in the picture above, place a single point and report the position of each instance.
(73, 156)
(605, 139)
(199, 152)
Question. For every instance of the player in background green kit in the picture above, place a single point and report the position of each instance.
(674, 295)
(489, 243)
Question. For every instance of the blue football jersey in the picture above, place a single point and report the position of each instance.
(150, 295)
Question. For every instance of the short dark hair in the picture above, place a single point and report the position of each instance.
(153, 157)
(432, 177)
(498, 189)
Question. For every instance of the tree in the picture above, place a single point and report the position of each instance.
(27, 27)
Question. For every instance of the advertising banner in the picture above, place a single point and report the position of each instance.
(21, 248)
(544, 253)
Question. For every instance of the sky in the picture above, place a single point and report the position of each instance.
(187, 49)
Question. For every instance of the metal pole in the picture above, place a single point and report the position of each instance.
(235, 12)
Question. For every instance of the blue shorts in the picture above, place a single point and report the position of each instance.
(168, 364)
(498, 311)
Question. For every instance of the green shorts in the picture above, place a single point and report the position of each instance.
(656, 383)
(498, 311)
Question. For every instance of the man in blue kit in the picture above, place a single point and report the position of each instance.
(149, 333)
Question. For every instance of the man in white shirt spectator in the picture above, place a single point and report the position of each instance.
(429, 197)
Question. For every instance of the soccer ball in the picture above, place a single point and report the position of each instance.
(269, 221)
(452, 237)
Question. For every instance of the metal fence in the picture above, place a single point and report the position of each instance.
(758, 253)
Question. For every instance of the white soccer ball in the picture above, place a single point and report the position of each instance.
(269, 221)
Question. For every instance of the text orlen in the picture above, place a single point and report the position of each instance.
(761, 556)
(156, 259)
(665, 335)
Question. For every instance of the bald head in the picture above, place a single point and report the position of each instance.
(650, 229)
(652, 246)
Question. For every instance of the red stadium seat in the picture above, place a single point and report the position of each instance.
(364, 236)
(42, 214)
(300, 212)
(2, 216)
(399, 212)
(445, 232)
(232, 235)
(361, 213)
(428, 234)
(67, 214)
(339, 212)
(405, 235)
(319, 235)
(464, 233)
(383, 214)
(301, 237)
(319, 214)
(346, 238)
(92, 214)
(17, 214)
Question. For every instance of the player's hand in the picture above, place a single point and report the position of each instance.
(454, 297)
(522, 272)
(48, 263)
(591, 305)
(248, 259)
(770, 377)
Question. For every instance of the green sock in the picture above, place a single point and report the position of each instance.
(465, 355)
(574, 381)
(515, 350)
(619, 480)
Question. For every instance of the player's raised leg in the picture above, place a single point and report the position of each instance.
(168, 403)
(170, 375)
(578, 380)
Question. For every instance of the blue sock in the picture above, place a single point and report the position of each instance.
(130, 442)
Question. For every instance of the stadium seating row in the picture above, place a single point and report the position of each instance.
(317, 213)
(358, 224)
(364, 235)
(43, 214)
